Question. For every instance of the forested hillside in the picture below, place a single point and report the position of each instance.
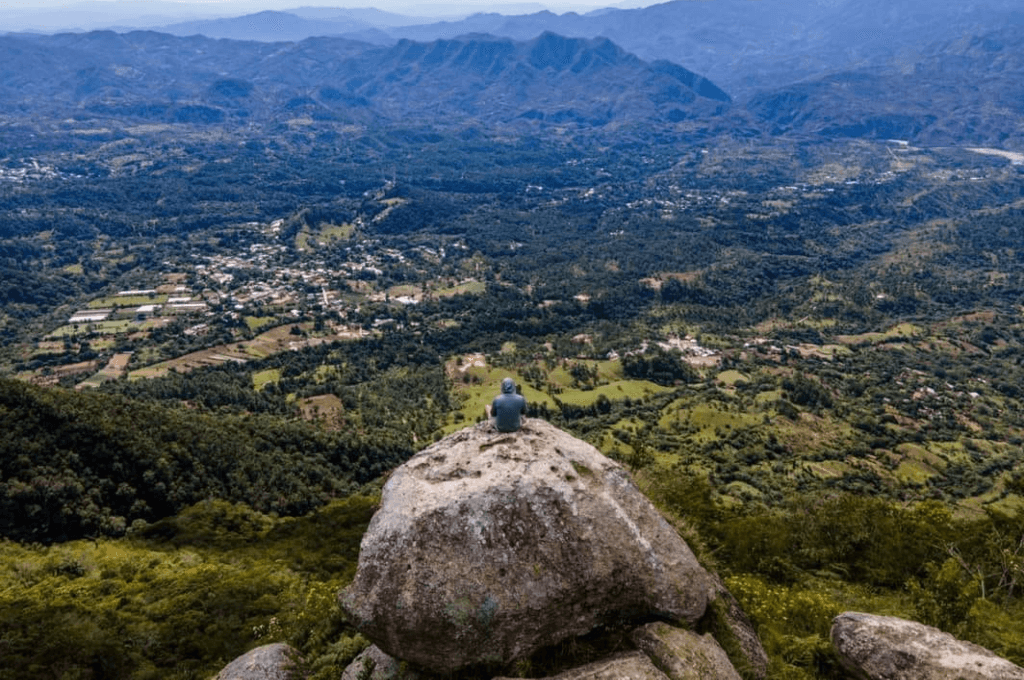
(77, 465)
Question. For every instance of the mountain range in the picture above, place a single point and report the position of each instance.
(931, 73)
(481, 79)
(965, 90)
(741, 45)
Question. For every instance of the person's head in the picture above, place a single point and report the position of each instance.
(508, 386)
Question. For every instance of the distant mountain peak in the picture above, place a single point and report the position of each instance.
(473, 79)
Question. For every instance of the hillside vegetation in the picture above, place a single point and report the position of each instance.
(76, 465)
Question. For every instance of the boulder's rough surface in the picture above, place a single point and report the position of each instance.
(684, 655)
(888, 648)
(269, 662)
(489, 546)
(731, 627)
(627, 666)
(373, 664)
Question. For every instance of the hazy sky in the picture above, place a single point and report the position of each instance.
(231, 6)
(49, 15)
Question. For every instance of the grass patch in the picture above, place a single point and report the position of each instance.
(337, 232)
(110, 327)
(616, 391)
(324, 407)
(828, 468)
(903, 331)
(768, 397)
(255, 323)
(731, 377)
(708, 420)
(261, 379)
(914, 471)
(462, 288)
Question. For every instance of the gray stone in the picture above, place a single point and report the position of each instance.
(374, 664)
(888, 648)
(269, 662)
(731, 627)
(684, 655)
(627, 666)
(489, 546)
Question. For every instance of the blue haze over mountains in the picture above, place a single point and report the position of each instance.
(740, 44)
(933, 72)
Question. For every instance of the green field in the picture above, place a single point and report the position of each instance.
(459, 289)
(323, 235)
(110, 327)
(255, 323)
(261, 379)
(903, 331)
(616, 391)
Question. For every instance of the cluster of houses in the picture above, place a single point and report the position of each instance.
(178, 301)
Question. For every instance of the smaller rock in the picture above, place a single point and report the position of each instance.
(374, 664)
(627, 666)
(269, 662)
(888, 648)
(684, 655)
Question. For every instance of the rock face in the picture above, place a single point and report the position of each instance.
(269, 662)
(489, 546)
(888, 648)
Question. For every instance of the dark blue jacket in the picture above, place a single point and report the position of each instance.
(507, 407)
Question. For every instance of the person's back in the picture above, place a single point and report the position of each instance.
(508, 407)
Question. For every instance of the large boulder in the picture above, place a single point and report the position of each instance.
(888, 648)
(488, 546)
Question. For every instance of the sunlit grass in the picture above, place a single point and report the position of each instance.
(255, 323)
(261, 379)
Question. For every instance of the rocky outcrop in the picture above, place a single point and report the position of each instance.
(269, 662)
(684, 655)
(489, 546)
(888, 648)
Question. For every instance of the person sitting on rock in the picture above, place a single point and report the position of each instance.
(508, 407)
